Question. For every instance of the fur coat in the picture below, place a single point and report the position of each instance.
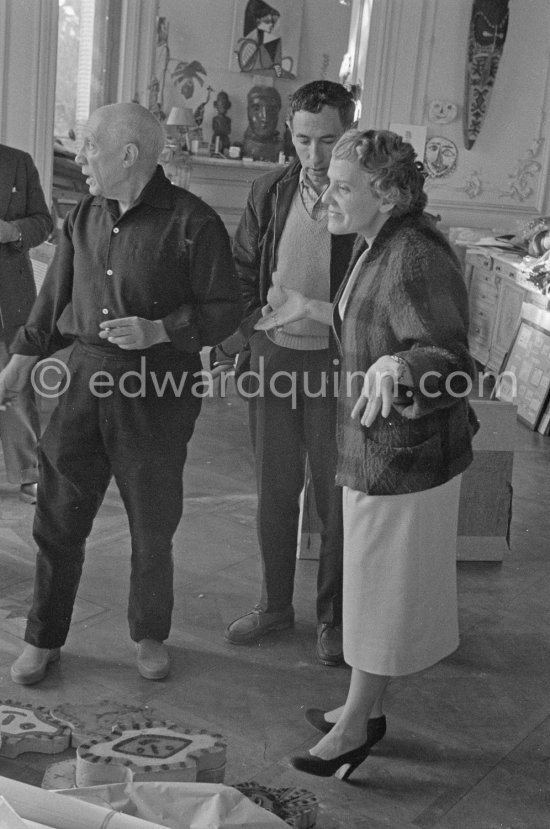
(409, 300)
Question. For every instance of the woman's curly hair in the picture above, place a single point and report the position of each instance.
(391, 164)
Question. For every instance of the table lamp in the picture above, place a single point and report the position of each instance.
(184, 120)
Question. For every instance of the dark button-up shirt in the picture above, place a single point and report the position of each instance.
(166, 258)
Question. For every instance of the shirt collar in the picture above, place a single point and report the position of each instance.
(157, 192)
(312, 200)
(307, 187)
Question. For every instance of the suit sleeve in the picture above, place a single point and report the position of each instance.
(37, 223)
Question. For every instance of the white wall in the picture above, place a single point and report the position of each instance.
(202, 31)
(416, 53)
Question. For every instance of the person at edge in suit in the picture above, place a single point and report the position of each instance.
(25, 222)
(283, 236)
(142, 279)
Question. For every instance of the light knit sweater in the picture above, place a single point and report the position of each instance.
(303, 263)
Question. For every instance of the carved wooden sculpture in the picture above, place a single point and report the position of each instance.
(488, 27)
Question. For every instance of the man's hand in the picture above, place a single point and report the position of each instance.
(8, 232)
(13, 379)
(133, 332)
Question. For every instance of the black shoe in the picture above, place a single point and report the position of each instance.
(329, 645)
(341, 766)
(376, 726)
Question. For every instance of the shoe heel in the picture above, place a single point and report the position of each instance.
(346, 769)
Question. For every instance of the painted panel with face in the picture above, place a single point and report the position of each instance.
(441, 156)
(442, 112)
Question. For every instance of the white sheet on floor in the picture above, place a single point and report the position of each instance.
(151, 806)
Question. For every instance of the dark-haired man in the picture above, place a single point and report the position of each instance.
(283, 239)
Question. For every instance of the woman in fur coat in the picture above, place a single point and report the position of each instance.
(404, 432)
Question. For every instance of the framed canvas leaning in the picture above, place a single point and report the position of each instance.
(525, 378)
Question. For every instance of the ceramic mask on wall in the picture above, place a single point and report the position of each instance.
(442, 112)
(486, 37)
(440, 156)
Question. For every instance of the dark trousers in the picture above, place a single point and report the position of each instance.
(137, 433)
(288, 419)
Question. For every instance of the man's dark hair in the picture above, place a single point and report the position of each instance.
(312, 97)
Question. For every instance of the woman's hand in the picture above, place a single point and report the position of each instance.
(289, 305)
(277, 294)
(378, 392)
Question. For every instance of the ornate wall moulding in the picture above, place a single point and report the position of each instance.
(522, 179)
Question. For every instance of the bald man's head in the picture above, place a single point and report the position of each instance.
(120, 149)
(130, 123)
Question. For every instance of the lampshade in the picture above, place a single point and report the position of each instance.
(181, 117)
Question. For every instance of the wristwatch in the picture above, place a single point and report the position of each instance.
(19, 241)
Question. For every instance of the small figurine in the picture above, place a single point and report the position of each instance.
(221, 124)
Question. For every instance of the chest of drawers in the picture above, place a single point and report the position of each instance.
(497, 290)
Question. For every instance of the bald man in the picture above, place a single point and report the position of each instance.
(142, 280)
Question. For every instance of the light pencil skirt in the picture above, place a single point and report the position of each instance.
(400, 594)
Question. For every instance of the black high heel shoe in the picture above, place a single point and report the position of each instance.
(376, 726)
(341, 766)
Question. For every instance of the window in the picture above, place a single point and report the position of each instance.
(87, 63)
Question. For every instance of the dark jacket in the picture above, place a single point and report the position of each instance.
(408, 300)
(258, 235)
(168, 257)
(21, 202)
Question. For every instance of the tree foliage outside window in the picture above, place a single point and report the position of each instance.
(67, 68)
(87, 62)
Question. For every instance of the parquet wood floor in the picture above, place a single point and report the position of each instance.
(468, 741)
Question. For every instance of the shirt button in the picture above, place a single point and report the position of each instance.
(115, 230)
(109, 272)
(104, 310)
